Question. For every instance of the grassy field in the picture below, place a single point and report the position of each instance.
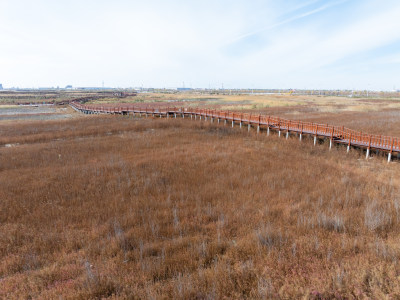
(15, 97)
(263, 102)
(99, 207)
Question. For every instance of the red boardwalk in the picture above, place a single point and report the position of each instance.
(335, 134)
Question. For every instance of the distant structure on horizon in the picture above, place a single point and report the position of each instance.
(68, 87)
(1, 86)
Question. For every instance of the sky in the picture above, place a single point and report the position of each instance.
(309, 44)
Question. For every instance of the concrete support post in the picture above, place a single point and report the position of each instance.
(315, 140)
(205, 118)
(248, 127)
(300, 137)
(195, 117)
(232, 123)
(330, 144)
(191, 117)
(218, 120)
(389, 157)
(279, 133)
(258, 129)
(348, 148)
(167, 115)
(225, 122)
(212, 120)
(183, 115)
(367, 155)
(240, 124)
(268, 130)
(160, 115)
(175, 115)
(287, 135)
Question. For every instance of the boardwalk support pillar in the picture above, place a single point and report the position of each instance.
(240, 124)
(300, 137)
(232, 123)
(287, 135)
(279, 133)
(248, 127)
(391, 151)
(258, 129)
(349, 145)
(268, 130)
(330, 144)
(315, 140)
(225, 122)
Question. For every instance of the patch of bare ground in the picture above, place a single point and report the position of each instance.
(155, 209)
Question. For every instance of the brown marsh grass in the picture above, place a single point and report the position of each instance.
(107, 207)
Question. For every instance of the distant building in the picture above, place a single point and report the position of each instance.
(93, 88)
(184, 89)
(68, 87)
(1, 86)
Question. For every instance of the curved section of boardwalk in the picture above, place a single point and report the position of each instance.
(336, 134)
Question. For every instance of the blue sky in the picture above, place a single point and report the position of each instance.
(316, 44)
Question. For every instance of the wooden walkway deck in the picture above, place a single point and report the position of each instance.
(336, 134)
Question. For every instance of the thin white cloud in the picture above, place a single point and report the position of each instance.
(290, 20)
(302, 56)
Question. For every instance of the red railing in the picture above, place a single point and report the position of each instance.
(338, 134)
